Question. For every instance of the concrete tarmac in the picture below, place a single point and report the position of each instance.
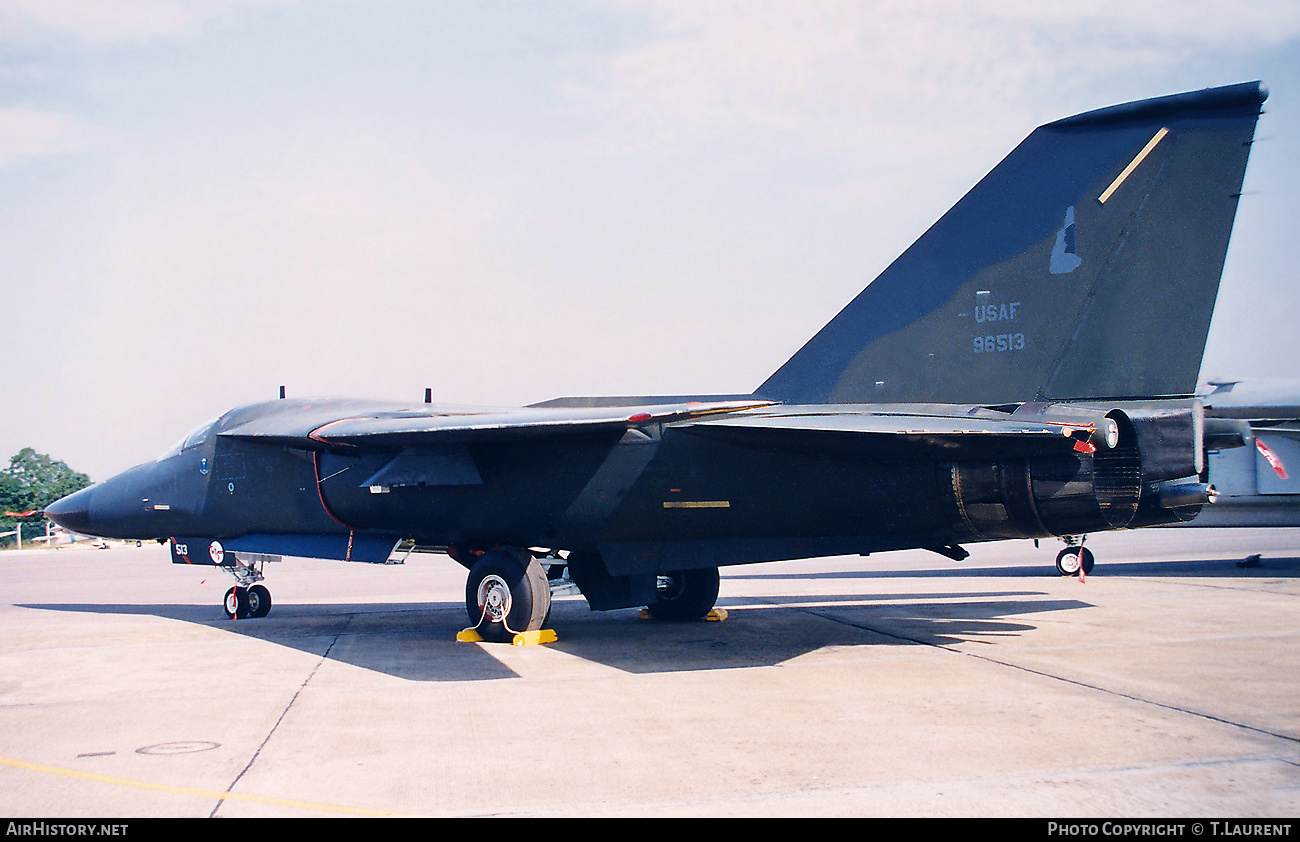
(1165, 685)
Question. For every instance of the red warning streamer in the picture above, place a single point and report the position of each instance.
(1271, 458)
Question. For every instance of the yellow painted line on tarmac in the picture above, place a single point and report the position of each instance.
(185, 790)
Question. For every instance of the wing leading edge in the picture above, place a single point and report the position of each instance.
(324, 425)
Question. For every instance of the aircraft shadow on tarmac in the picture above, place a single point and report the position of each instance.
(1276, 568)
(416, 641)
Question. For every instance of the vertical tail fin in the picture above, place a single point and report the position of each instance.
(1085, 265)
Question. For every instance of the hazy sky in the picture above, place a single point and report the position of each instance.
(508, 201)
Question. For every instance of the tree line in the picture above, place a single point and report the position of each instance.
(33, 481)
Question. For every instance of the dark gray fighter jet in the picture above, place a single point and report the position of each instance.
(1252, 459)
(1026, 369)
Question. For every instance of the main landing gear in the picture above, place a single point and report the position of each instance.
(685, 594)
(508, 592)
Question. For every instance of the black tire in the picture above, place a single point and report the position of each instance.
(1071, 560)
(235, 603)
(685, 594)
(259, 601)
(507, 593)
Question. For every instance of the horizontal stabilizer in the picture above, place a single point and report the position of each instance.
(1257, 400)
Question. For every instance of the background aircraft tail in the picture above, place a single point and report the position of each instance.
(1085, 265)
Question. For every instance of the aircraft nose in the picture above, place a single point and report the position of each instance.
(73, 512)
(137, 503)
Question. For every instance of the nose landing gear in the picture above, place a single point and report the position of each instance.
(246, 599)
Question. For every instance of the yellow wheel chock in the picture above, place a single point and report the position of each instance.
(532, 638)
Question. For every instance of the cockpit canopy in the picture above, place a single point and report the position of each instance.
(196, 437)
